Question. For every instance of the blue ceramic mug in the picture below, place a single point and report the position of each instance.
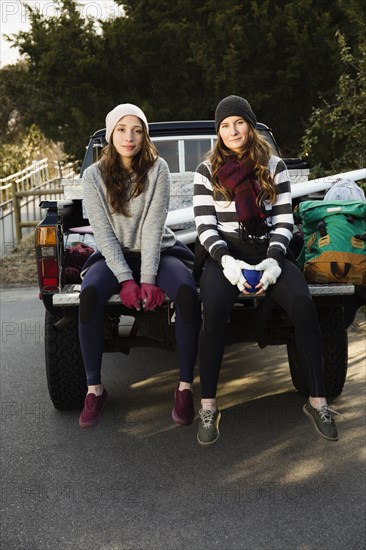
(252, 277)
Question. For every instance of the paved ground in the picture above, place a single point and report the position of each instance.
(137, 481)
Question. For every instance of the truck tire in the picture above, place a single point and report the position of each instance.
(65, 371)
(335, 353)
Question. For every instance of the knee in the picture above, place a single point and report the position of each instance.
(88, 304)
(304, 312)
(187, 302)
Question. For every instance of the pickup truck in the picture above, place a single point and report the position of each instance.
(183, 145)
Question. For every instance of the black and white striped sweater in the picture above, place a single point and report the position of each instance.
(217, 222)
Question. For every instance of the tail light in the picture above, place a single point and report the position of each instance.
(47, 258)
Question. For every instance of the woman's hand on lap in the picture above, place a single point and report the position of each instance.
(152, 296)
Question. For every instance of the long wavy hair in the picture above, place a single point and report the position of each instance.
(259, 153)
(122, 184)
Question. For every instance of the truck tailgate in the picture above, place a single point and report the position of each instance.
(69, 296)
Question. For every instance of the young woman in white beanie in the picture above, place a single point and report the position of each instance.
(126, 197)
(243, 213)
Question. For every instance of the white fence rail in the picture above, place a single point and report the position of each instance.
(20, 195)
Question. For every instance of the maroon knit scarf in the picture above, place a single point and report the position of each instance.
(238, 177)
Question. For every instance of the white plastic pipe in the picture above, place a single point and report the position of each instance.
(182, 215)
(320, 184)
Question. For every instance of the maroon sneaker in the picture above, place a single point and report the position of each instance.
(183, 411)
(92, 411)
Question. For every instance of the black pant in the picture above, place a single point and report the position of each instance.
(290, 292)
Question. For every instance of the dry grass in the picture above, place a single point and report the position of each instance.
(19, 268)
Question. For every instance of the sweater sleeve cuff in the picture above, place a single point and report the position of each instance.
(276, 254)
(126, 276)
(151, 279)
(218, 253)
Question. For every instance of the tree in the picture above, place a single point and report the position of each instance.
(30, 145)
(156, 69)
(277, 54)
(20, 144)
(62, 54)
(178, 59)
(335, 138)
(13, 89)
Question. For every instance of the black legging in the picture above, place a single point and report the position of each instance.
(290, 292)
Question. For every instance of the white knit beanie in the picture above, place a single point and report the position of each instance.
(120, 111)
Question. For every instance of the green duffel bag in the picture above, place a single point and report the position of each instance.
(334, 241)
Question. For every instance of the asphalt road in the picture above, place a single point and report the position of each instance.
(137, 481)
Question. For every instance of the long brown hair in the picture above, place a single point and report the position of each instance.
(259, 154)
(118, 179)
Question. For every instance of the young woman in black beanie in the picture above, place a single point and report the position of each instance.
(243, 213)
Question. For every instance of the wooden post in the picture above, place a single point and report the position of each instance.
(16, 207)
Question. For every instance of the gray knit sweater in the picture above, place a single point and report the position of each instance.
(144, 231)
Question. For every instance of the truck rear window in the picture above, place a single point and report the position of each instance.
(183, 155)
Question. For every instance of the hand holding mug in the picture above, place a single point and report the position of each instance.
(252, 278)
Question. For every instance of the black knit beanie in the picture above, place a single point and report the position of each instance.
(234, 105)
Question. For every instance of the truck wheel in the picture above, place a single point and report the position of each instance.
(64, 364)
(335, 348)
(335, 353)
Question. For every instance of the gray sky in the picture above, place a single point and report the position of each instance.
(14, 18)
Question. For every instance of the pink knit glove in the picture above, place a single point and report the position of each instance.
(152, 296)
(130, 294)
